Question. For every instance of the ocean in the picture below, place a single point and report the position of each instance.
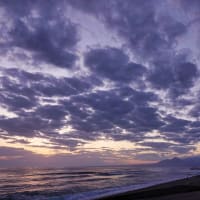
(86, 183)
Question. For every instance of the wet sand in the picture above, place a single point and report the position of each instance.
(184, 189)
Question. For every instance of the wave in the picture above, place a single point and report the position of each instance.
(82, 184)
(92, 195)
(96, 194)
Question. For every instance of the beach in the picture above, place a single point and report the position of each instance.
(184, 189)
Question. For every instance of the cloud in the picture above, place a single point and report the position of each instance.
(30, 97)
(193, 6)
(149, 34)
(17, 102)
(178, 78)
(42, 29)
(91, 113)
(33, 85)
(53, 112)
(57, 103)
(119, 108)
(27, 126)
(114, 64)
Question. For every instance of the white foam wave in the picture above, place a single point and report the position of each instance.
(96, 194)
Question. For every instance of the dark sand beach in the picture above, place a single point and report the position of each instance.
(184, 189)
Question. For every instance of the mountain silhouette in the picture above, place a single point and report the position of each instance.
(189, 162)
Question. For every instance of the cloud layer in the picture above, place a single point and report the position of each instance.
(145, 92)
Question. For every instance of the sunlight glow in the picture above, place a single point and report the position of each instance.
(36, 145)
(7, 113)
(100, 145)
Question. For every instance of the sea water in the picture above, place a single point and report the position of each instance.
(86, 183)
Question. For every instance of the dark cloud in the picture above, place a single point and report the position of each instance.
(175, 125)
(178, 78)
(90, 114)
(185, 74)
(195, 111)
(48, 35)
(114, 64)
(122, 108)
(151, 35)
(148, 34)
(161, 78)
(28, 126)
(157, 145)
(17, 102)
(31, 85)
(54, 112)
(72, 144)
(182, 149)
(168, 147)
(22, 93)
(194, 6)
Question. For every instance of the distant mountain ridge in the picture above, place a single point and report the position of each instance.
(190, 162)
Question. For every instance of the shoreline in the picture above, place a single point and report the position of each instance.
(185, 188)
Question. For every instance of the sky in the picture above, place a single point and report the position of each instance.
(89, 82)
